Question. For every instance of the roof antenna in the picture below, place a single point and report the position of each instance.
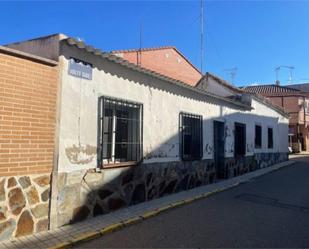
(277, 69)
(202, 35)
(139, 53)
(232, 72)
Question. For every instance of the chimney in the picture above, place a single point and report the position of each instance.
(277, 83)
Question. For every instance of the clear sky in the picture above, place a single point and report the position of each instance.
(254, 36)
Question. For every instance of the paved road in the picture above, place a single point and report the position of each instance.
(271, 211)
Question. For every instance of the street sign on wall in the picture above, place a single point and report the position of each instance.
(80, 69)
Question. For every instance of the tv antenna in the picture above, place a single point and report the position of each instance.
(139, 53)
(232, 73)
(202, 35)
(290, 68)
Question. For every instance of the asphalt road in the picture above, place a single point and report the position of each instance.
(270, 211)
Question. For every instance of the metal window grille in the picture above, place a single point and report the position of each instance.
(191, 136)
(270, 138)
(258, 136)
(120, 131)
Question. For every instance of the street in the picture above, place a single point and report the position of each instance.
(270, 211)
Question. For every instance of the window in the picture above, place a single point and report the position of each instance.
(120, 129)
(258, 136)
(270, 138)
(191, 136)
(240, 140)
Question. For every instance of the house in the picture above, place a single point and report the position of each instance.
(28, 90)
(126, 134)
(295, 102)
(304, 87)
(167, 61)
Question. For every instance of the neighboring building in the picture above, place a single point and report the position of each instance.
(304, 87)
(296, 103)
(167, 61)
(128, 134)
(28, 90)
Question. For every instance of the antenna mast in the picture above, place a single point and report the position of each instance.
(232, 72)
(139, 54)
(290, 68)
(202, 35)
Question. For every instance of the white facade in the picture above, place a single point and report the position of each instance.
(162, 102)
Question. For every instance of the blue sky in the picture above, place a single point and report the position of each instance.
(254, 36)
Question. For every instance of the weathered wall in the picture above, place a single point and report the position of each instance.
(46, 47)
(84, 192)
(78, 132)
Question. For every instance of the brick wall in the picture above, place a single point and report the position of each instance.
(290, 105)
(166, 61)
(27, 115)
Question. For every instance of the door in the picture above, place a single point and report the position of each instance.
(219, 148)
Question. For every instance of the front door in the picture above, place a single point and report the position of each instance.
(219, 148)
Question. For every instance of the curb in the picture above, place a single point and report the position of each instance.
(117, 226)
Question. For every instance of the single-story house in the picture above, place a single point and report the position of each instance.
(126, 134)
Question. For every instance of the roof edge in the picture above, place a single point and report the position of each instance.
(224, 82)
(24, 55)
(264, 100)
(159, 48)
(132, 66)
(61, 37)
(142, 49)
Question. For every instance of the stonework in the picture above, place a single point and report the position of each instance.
(85, 194)
(89, 194)
(24, 205)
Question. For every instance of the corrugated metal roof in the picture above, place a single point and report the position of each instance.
(118, 60)
(143, 49)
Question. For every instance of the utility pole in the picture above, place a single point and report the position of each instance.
(202, 35)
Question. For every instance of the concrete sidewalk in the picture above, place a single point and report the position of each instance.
(100, 225)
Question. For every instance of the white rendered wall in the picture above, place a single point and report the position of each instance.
(162, 103)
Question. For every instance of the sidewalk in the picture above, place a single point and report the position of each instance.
(100, 225)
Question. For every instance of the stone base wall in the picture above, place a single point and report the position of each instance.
(264, 160)
(84, 194)
(239, 166)
(87, 194)
(24, 205)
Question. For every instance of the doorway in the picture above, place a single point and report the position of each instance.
(219, 145)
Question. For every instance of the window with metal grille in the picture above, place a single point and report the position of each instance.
(258, 136)
(240, 140)
(191, 136)
(270, 138)
(120, 131)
